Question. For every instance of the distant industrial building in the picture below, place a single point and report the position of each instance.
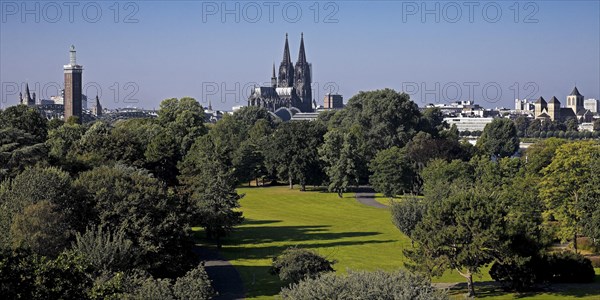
(73, 87)
(333, 101)
(468, 124)
(591, 104)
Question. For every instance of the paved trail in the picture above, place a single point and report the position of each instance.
(225, 278)
(366, 196)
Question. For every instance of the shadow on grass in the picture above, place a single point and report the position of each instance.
(259, 282)
(274, 234)
(493, 289)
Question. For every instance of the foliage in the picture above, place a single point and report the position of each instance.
(210, 185)
(19, 150)
(295, 264)
(387, 118)
(392, 172)
(499, 138)
(440, 176)
(462, 232)
(407, 213)
(33, 186)
(104, 249)
(156, 221)
(563, 185)
(339, 152)
(41, 228)
(292, 153)
(195, 284)
(27, 119)
(365, 285)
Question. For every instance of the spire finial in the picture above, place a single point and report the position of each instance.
(302, 54)
(73, 59)
(286, 51)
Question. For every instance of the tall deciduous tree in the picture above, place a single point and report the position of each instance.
(340, 152)
(499, 138)
(392, 172)
(462, 232)
(27, 119)
(210, 184)
(563, 184)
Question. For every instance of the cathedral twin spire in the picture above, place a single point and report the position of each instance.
(287, 76)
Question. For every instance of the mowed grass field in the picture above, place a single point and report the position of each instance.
(358, 237)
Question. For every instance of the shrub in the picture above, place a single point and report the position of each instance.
(561, 267)
(296, 264)
(400, 284)
(567, 267)
(194, 285)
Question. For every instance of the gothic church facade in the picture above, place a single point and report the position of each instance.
(291, 88)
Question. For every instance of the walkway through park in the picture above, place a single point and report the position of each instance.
(366, 196)
(225, 278)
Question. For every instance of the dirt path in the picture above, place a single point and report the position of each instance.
(366, 196)
(225, 278)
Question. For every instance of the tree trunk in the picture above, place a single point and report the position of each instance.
(575, 242)
(340, 194)
(470, 286)
(291, 183)
(219, 243)
(303, 187)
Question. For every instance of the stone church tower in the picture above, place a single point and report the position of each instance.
(286, 68)
(303, 79)
(575, 101)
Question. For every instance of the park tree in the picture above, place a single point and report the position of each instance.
(441, 176)
(185, 120)
(522, 125)
(386, 118)
(393, 173)
(590, 203)
(571, 124)
(210, 185)
(539, 155)
(462, 232)
(341, 155)
(19, 150)
(296, 264)
(499, 138)
(563, 185)
(407, 213)
(155, 220)
(249, 115)
(35, 185)
(597, 125)
(105, 249)
(292, 152)
(25, 118)
(40, 228)
(61, 141)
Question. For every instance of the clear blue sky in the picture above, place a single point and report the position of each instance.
(186, 48)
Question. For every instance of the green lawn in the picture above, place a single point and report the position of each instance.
(356, 236)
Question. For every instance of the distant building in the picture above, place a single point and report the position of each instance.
(73, 87)
(470, 124)
(97, 109)
(523, 106)
(552, 110)
(291, 89)
(27, 99)
(591, 105)
(333, 101)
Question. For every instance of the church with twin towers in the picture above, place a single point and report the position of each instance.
(290, 88)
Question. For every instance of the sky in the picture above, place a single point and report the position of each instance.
(137, 53)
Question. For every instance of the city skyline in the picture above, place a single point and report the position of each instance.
(543, 49)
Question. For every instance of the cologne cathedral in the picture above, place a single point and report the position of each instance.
(291, 89)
